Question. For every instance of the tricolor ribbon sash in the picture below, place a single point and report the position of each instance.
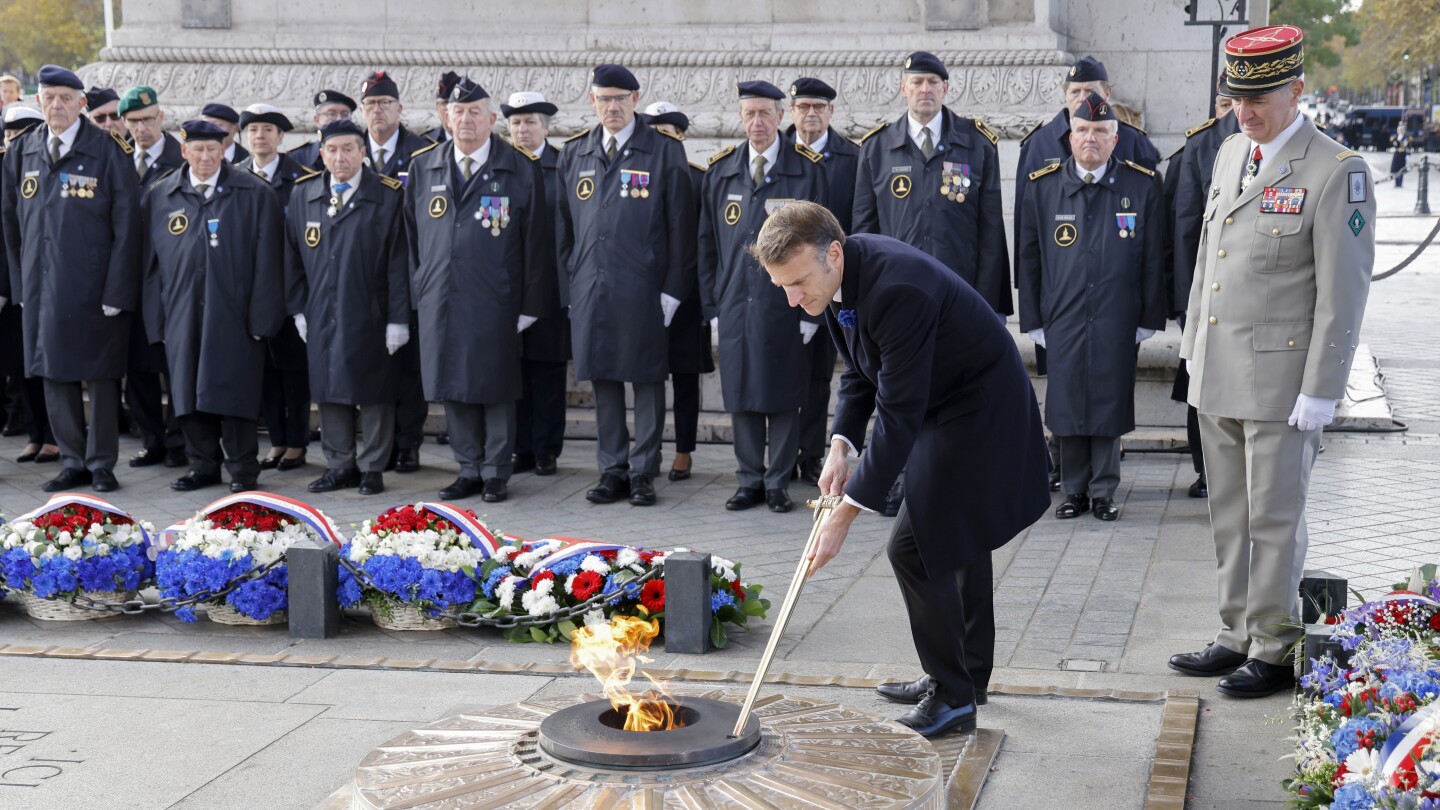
(63, 499)
(472, 528)
(578, 548)
(1408, 740)
(301, 511)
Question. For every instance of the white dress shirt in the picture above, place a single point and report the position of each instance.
(621, 138)
(481, 156)
(771, 154)
(1080, 172)
(916, 126)
(67, 138)
(389, 146)
(211, 181)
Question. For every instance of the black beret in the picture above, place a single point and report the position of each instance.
(334, 97)
(663, 112)
(222, 111)
(337, 128)
(1088, 69)
(56, 76)
(99, 97)
(265, 114)
(608, 75)
(758, 90)
(379, 84)
(807, 87)
(527, 102)
(466, 91)
(447, 83)
(926, 62)
(1095, 108)
(201, 130)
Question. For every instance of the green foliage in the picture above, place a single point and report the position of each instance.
(1328, 26)
(68, 33)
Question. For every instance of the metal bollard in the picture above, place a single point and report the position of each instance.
(1321, 594)
(1422, 192)
(313, 579)
(1320, 640)
(687, 602)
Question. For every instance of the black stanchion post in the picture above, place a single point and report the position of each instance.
(687, 602)
(1422, 194)
(1321, 594)
(313, 578)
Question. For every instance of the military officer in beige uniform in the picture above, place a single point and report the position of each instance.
(1283, 268)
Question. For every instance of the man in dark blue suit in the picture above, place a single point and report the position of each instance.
(925, 354)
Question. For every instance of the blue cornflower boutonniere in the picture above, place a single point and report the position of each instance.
(846, 318)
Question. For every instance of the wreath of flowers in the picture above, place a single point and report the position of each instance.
(414, 555)
(74, 547)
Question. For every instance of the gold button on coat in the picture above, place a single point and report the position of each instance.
(1215, 287)
(1274, 231)
(1290, 343)
(1229, 220)
(1222, 253)
(1214, 320)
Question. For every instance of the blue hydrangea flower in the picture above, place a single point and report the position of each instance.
(720, 599)
(846, 317)
(493, 581)
(1345, 738)
(1352, 797)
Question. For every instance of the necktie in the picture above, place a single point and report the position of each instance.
(54, 148)
(759, 176)
(466, 165)
(610, 148)
(1252, 168)
(340, 189)
(143, 164)
(1089, 178)
(380, 156)
(927, 146)
(203, 189)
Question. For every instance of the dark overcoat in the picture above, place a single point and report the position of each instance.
(286, 349)
(689, 338)
(548, 339)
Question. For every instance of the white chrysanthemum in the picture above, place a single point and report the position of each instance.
(537, 603)
(50, 551)
(723, 568)
(627, 557)
(570, 584)
(504, 553)
(593, 562)
(1362, 766)
(506, 592)
(543, 587)
(74, 553)
(594, 617)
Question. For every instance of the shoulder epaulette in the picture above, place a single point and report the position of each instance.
(124, 144)
(390, 182)
(419, 152)
(667, 133)
(1137, 129)
(722, 153)
(851, 140)
(311, 176)
(576, 136)
(1039, 173)
(1191, 132)
(866, 136)
(301, 146)
(1176, 152)
(986, 131)
(1137, 167)
(431, 145)
(1032, 131)
(698, 166)
(808, 153)
(522, 150)
(1347, 153)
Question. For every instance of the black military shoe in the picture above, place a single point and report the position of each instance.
(778, 500)
(642, 491)
(1105, 509)
(175, 457)
(336, 479)
(1199, 489)
(147, 458)
(744, 498)
(1207, 663)
(372, 483)
(191, 481)
(462, 488)
(243, 486)
(68, 479)
(523, 464)
(495, 491)
(810, 470)
(443, 438)
(407, 460)
(933, 717)
(610, 489)
(1055, 480)
(1073, 506)
(103, 481)
(906, 692)
(545, 465)
(1255, 678)
(895, 497)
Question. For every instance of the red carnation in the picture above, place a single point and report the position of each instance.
(540, 577)
(738, 590)
(652, 595)
(1435, 622)
(585, 584)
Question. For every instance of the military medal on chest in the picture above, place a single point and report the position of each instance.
(334, 206)
(634, 184)
(494, 213)
(1125, 220)
(213, 225)
(74, 185)
(954, 180)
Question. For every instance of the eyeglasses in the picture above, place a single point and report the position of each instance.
(104, 118)
(806, 109)
(143, 120)
(332, 115)
(606, 101)
(380, 103)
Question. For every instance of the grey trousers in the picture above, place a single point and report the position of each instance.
(613, 452)
(749, 430)
(1090, 464)
(482, 438)
(211, 439)
(64, 404)
(337, 435)
(1259, 473)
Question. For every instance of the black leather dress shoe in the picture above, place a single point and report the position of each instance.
(778, 500)
(523, 464)
(894, 498)
(103, 481)
(642, 491)
(68, 479)
(291, 463)
(906, 692)
(744, 498)
(147, 458)
(270, 462)
(13, 428)
(244, 486)
(1212, 661)
(933, 717)
(810, 470)
(443, 438)
(372, 483)
(407, 460)
(677, 474)
(495, 491)
(1055, 480)
(175, 457)
(545, 465)
(335, 479)
(191, 481)
(1105, 509)
(1256, 678)
(1073, 506)
(462, 488)
(610, 489)
(46, 458)
(1199, 489)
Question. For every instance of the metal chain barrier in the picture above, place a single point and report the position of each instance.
(1422, 206)
(136, 607)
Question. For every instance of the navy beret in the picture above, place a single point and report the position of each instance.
(265, 114)
(334, 97)
(446, 84)
(201, 130)
(337, 128)
(1095, 108)
(663, 112)
(100, 96)
(56, 76)
(758, 90)
(807, 87)
(618, 76)
(222, 111)
(466, 91)
(527, 102)
(1088, 69)
(379, 84)
(926, 62)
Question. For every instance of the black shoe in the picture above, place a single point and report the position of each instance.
(315, 434)
(68, 479)
(933, 717)
(291, 463)
(1255, 678)
(372, 483)
(46, 458)
(610, 489)
(191, 481)
(642, 491)
(1207, 663)
(175, 457)
(270, 462)
(1105, 509)
(103, 481)
(25, 457)
(677, 474)
(1073, 506)
(810, 470)
(147, 458)
(895, 497)
(407, 460)
(394, 459)
(335, 479)
(1199, 489)
(545, 465)
(13, 429)
(443, 438)
(523, 464)
(778, 500)
(495, 491)
(906, 692)
(1055, 480)
(462, 488)
(744, 498)
(244, 486)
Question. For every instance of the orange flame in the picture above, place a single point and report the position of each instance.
(612, 653)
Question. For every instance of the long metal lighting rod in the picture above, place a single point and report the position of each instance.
(822, 506)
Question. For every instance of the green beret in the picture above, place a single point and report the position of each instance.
(138, 98)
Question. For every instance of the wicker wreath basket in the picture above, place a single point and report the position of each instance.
(222, 613)
(395, 615)
(59, 610)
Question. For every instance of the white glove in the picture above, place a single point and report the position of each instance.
(1038, 335)
(396, 335)
(807, 331)
(3, 301)
(110, 312)
(525, 322)
(1312, 412)
(300, 326)
(715, 328)
(668, 305)
(1142, 334)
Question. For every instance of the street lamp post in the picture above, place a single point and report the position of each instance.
(1225, 14)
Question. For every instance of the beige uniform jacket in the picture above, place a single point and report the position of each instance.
(1283, 270)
